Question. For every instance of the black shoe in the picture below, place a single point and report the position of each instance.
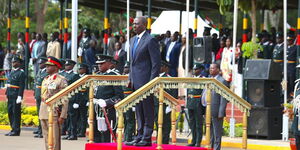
(143, 143)
(38, 136)
(65, 137)
(7, 134)
(72, 137)
(14, 134)
(197, 145)
(191, 144)
(63, 133)
(132, 142)
(81, 135)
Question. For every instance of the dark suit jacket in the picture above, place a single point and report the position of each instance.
(145, 65)
(174, 58)
(122, 59)
(218, 103)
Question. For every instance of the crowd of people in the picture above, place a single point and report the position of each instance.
(150, 57)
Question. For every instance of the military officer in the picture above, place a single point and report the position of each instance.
(42, 73)
(278, 50)
(52, 84)
(14, 92)
(84, 43)
(73, 110)
(291, 63)
(166, 129)
(106, 97)
(267, 46)
(195, 109)
(129, 119)
(83, 97)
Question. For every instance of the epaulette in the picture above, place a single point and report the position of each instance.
(114, 71)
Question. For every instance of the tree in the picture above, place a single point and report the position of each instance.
(40, 9)
(249, 6)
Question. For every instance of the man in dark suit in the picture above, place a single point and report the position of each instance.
(120, 55)
(172, 54)
(218, 108)
(145, 66)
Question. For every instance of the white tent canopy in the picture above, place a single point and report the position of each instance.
(169, 20)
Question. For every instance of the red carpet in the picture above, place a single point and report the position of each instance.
(113, 146)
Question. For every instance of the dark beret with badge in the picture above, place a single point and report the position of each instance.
(70, 62)
(86, 30)
(103, 58)
(54, 62)
(198, 66)
(83, 66)
(279, 35)
(42, 60)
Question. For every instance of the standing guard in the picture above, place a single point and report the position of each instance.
(14, 92)
(278, 50)
(291, 64)
(73, 101)
(105, 98)
(166, 129)
(51, 85)
(129, 119)
(83, 98)
(195, 109)
(42, 73)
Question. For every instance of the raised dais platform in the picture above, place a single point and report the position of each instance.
(113, 146)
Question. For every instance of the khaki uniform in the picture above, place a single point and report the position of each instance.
(50, 86)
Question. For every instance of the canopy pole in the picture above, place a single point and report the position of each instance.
(74, 29)
(187, 39)
(128, 29)
(196, 18)
(285, 119)
(66, 36)
(9, 25)
(245, 27)
(180, 22)
(235, 16)
(26, 57)
(106, 27)
(149, 20)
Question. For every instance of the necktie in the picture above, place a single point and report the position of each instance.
(116, 55)
(135, 44)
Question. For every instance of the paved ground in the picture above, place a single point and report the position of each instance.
(27, 142)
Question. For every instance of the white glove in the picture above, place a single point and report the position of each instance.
(88, 103)
(133, 109)
(95, 101)
(75, 105)
(168, 109)
(80, 51)
(102, 103)
(19, 100)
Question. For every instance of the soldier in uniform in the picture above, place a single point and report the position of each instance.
(166, 129)
(84, 43)
(14, 93)
(129, 118)
(105, 98)
(73, 111)
(83, 97)
(291, 63)
(278, 50)
(42, 73)
(51, 85)
(195, 109)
